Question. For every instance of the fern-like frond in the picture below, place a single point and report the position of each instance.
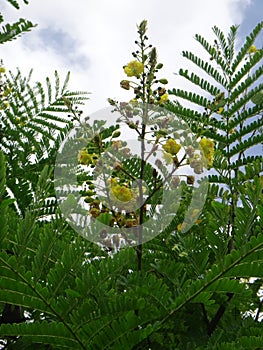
(222, 40)
(244, 115)
(202, 83)
(10, 32)
(36, 121)
(246, 130)
(54, 333)
(243, 101)
(247, 83)
(244, 145)
(231, 39)
(214, 53)
(233, 260)
(192, 97)
(239, 163)
(251, 63)
(206, 67)
(249, 41)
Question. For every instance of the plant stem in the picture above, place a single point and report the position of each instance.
(141, 215)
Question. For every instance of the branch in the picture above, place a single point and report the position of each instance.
(220, 312)
(259, 310)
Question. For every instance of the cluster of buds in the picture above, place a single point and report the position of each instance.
(114, 218)
(144, 68)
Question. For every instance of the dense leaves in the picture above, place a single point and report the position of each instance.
(194, 290)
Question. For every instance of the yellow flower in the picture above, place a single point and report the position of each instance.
(2, 69)
(134, 69)
(252, 49)
(113, 181)
(220, 110)
(163, 98)
(207, 146)
(172, 147)
(122, 193)
(85, 158)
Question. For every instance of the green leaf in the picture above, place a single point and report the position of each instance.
(105, 218)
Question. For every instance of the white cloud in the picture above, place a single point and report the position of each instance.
(94, 39)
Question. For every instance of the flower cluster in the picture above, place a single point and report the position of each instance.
(121, 200)
(208, 148)
(171, 148)
(144, 67)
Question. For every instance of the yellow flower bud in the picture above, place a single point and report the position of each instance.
(94, 212)
(252, 49)
(116, 145)
(220, 110)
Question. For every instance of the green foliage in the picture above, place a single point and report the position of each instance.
(12, 31)
(230, 111)
(194, 290)
(15, 3)
(32, 128)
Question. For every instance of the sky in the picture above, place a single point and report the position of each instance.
(94, 39)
